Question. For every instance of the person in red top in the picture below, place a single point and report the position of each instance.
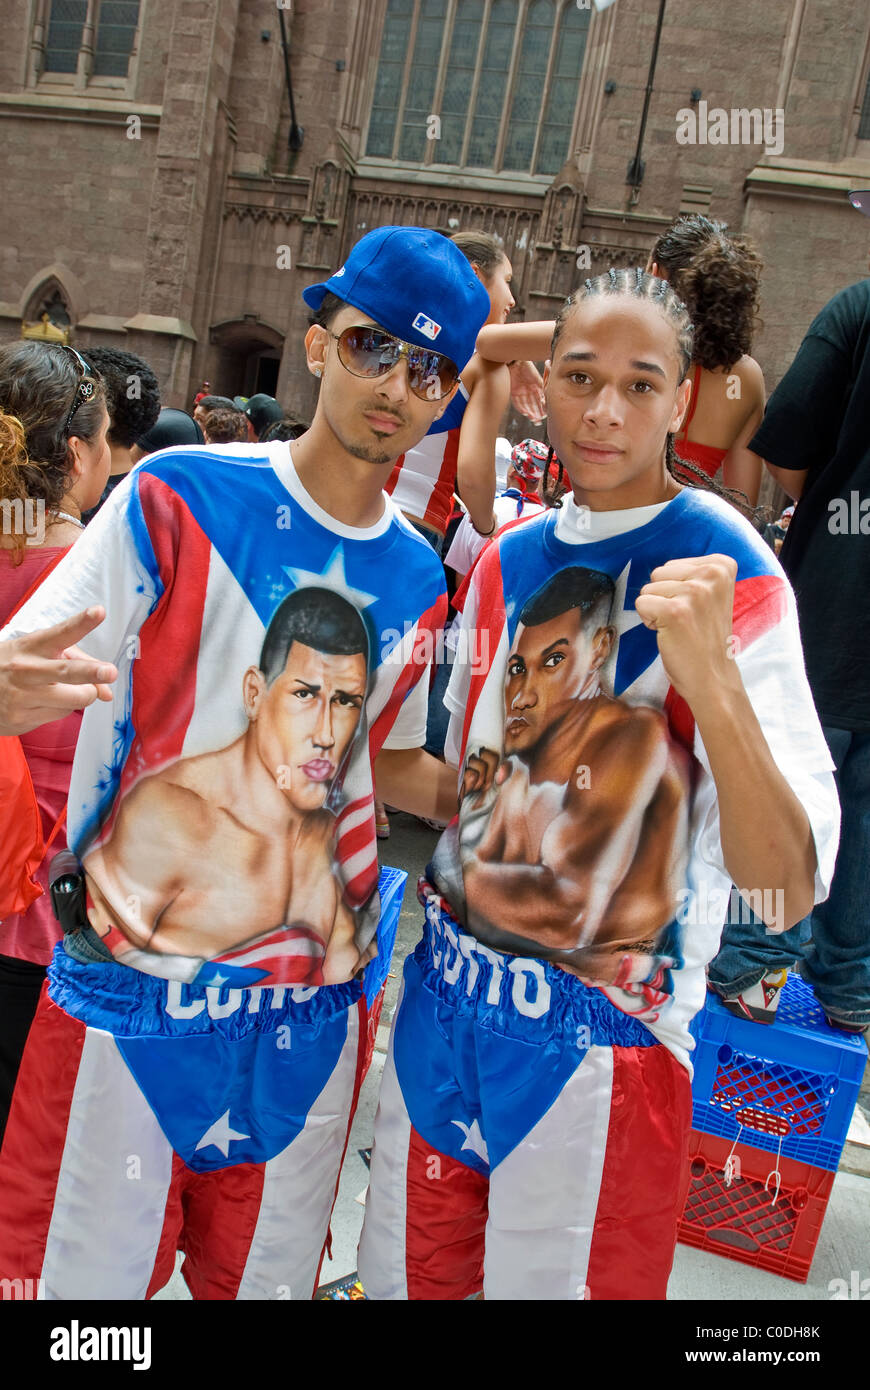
(54, 462)
(717, 277)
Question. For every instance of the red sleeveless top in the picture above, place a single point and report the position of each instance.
(707, 457)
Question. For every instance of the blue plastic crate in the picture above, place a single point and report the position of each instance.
(790, 1085)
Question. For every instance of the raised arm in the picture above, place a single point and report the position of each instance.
(767, 841)
(475, 465)
(515, 342)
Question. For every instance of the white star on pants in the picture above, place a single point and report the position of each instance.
(474, 1140)
(221, 1134)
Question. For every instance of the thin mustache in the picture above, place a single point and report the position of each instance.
(384, 414)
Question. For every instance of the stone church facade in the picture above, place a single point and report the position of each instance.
(160, 194)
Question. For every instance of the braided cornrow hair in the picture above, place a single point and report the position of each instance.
(640, 284)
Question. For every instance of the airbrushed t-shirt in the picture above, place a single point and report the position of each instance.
(222, 803)
(818, 419)
(588, 831)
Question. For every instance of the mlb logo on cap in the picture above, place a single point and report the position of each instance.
(426, 325)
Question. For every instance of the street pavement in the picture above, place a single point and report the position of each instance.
(844, 1243)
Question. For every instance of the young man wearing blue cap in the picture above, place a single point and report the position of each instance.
(184, 1087)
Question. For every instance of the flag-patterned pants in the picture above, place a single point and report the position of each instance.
(531, 1140)
(178, 1117)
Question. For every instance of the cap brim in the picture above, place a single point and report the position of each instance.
(860, 200)
(314, 296)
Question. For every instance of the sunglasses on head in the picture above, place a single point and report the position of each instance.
(370, 352)
(86, 389)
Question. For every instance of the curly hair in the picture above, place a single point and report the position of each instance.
(640, 285)
(132, 393)
(38, 383)
(224, 426)
(717, 277)
(13, 461)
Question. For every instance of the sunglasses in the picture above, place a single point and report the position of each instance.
(86, 389)
(370, 352)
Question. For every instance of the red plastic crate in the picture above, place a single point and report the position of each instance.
(740, 1221)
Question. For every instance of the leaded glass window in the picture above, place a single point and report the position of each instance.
(64, 38)
(502, 77)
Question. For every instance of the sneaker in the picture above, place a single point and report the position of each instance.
(758, 1002)
(856, 1029)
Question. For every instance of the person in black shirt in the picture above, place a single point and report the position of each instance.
(133, 398)
(815, 440)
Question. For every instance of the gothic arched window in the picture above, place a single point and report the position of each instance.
(488, 84)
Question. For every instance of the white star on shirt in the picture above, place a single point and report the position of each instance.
(221, 1135)
(474, 1140)
(333, 577)
(623, 619)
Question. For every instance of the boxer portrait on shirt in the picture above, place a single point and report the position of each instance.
(573, 841)
(222, 848)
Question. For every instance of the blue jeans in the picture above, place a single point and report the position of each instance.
(438, 719)
(832, 945)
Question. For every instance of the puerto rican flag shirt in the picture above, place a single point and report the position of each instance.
(588, 832)
(222, 803)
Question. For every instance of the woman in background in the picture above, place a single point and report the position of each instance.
(54, 463)
(717, 278)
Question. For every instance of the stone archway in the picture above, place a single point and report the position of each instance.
(244, 356)
(54, 291)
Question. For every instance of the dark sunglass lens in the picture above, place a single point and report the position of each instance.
(367, 351)
(432, 376)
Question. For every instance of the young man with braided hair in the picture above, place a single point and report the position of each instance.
(535, 1109)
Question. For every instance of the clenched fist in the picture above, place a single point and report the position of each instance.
(689, 604)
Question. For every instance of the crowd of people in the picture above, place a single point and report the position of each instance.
(577, 657)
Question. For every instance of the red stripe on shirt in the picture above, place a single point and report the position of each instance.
(491, 617)
(164, 672)
(440, 503)
(390, 485)
(429, 622)
(759, 604)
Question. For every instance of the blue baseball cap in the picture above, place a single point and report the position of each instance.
(416, 284)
